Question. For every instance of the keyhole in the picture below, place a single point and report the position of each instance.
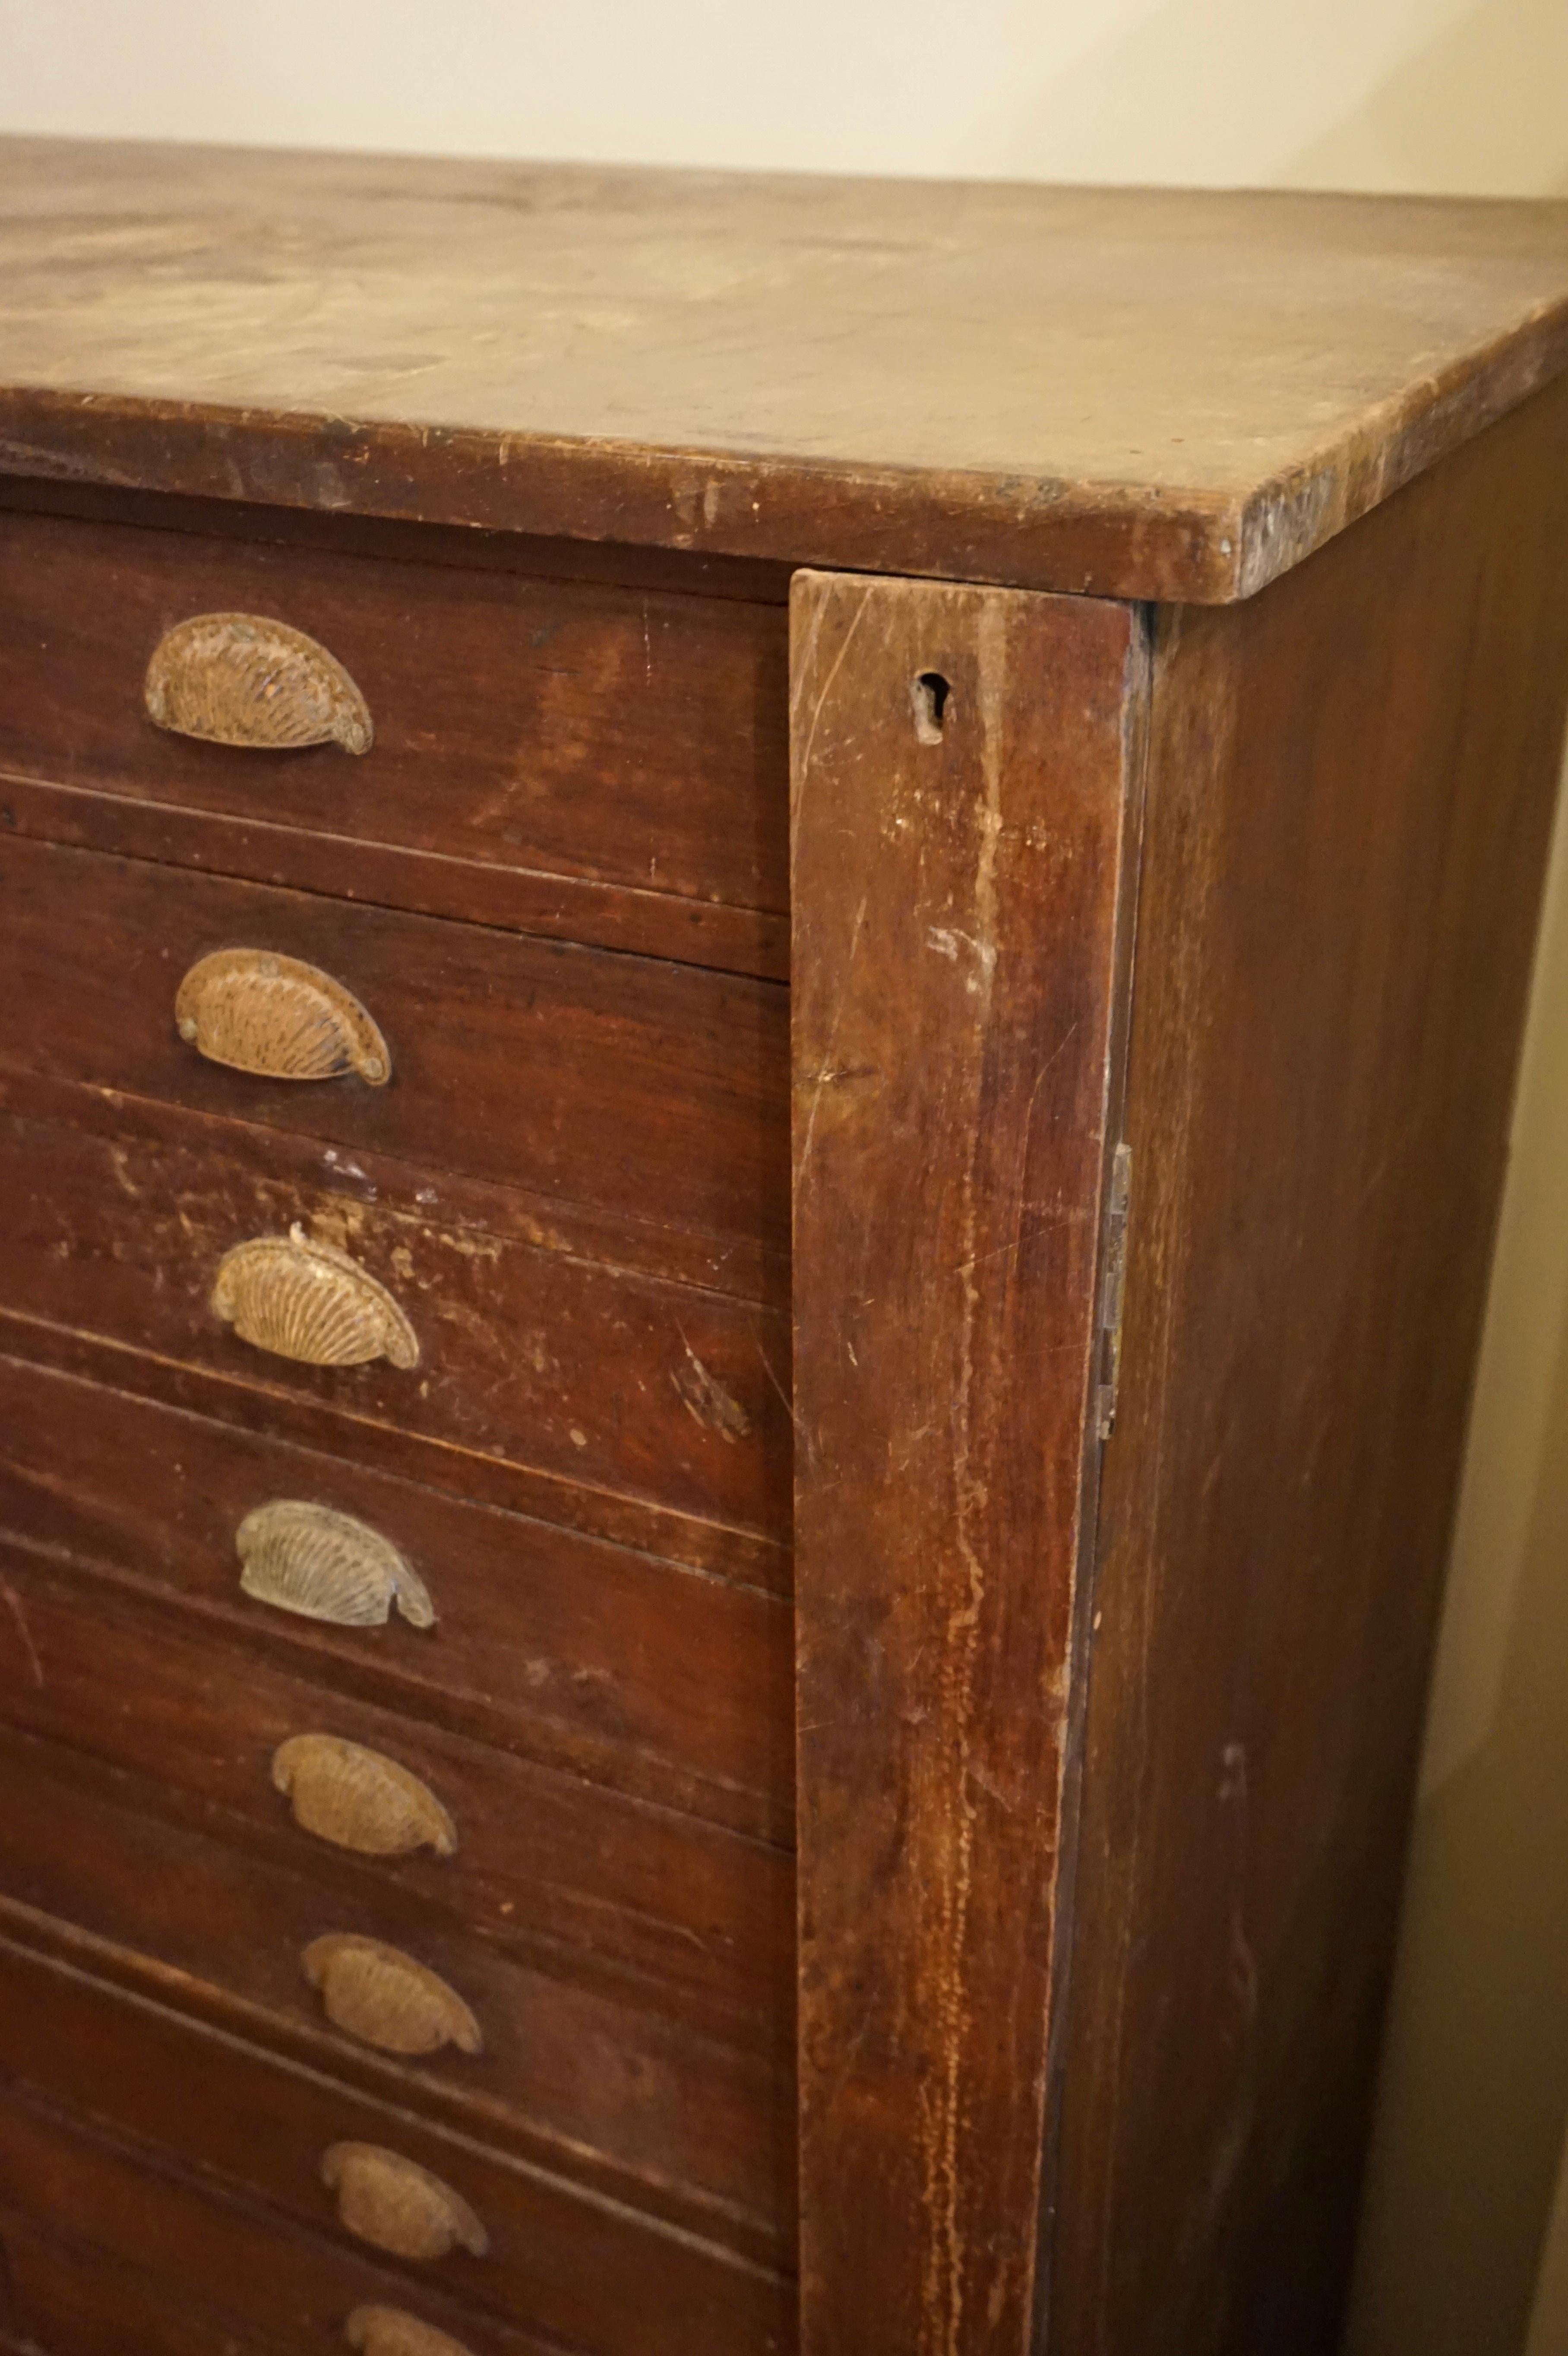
(930, 695)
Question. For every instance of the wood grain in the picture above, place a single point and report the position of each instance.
(628, 739)
(1138, 394)
(653, 1095)
(75, 2301)
(120, 1214)
(622, 2086)
(173, 2267)
(566, 1650)
(1351, 786)
(539, 1855)
(691, 1541)
(559, 2261)
(958, 891)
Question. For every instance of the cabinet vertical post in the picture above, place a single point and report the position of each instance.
(964, 764)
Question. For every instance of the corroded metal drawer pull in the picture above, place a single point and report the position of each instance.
(239, 679)
(398, 2205)
(310, 1302)
(357, 1799)
(378, 1994)
(326, 1565)
(278, 1017)
(388, 2332)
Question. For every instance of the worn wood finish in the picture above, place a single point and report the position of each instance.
(582, 1655)
(717, 1549)
(1102, 389)
(175, 2269)
(627, 740)
(619, 2085)
(73, 2300)
(958, 883)
(651, 1096)
(121, 1215)
(559, 2261)
(1099, 1838)
(1352, 781)
(538, 1853)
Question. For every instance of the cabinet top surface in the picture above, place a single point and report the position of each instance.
(1125, 391)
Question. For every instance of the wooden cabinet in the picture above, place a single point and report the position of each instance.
(760, 952)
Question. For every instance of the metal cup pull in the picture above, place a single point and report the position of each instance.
(396, 2205)
(386, 2000)
(311, 1302)
(324, 1565)
(359, 1799)
(388, 2331)
(279, 1018)
(244, 680)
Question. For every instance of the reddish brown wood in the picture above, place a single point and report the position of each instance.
(650, 1095)
(575, 1187)
(958, 885)
(621, 2087)
(559, 2260)
(576, 1653)
(538, 1855)
(1131, 392)
(121, 1213)
(174, 2267)
(695, 932)
(748, 1556)
(630, 739)
(74, 2301)
(1352, 781)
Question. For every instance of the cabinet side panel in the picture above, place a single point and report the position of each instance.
(961, 773)
(1350, 793)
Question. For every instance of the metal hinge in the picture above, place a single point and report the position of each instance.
(1112, 1286)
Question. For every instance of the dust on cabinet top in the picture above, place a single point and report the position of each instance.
(1127, 393)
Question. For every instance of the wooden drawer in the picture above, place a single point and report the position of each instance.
(120, 1214)
(558, 755)
(531, 1858)
(577, 2073)
(70, 2299)
(632, 1100)
(570, 1651)
(109, 2245)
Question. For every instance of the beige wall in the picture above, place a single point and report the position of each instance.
(1420, 94)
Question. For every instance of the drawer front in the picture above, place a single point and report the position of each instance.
(653, 1097)
(119, 1218)
(626, 741)
(519, 1853)
(570, 1651)
(591, 2082)
(70, 2299)
(108, 2248)
(503, 2239)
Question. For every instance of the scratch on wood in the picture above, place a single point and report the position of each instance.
(704, 1395)
(944, 2284)
(13, 1603)
(828, 1072)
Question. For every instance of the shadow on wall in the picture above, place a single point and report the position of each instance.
(1480, 109)
(1475, 2086)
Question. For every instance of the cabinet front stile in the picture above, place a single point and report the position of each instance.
(964, 774)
